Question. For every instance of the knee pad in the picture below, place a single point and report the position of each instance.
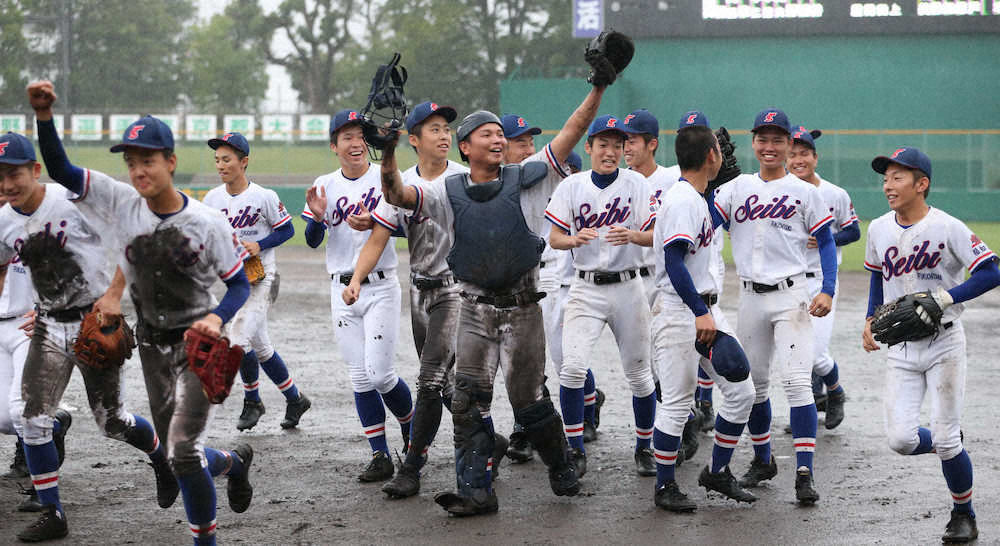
(37, 430)
(903, 442)
(738, 402)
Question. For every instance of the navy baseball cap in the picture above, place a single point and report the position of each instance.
(146, 132)
(772, 117)
(807, 137)
(605, 123)
(905, 156)
(515, 126)
(236, 140)
(692, 118)
(641, 122)
(574, 161)
(424, 110)
(342, 118)
(16, 149)
(726, 356)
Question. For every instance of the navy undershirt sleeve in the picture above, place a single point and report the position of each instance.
(680, 277)
(315, 232)
(237, 292)
(278, 236)
(827, 259)
(56, 162)
(986, 277)
(874, 292)
(847, 235)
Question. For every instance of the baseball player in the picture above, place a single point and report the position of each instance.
(597, 214)
(66, 254)
(262, 223)
(687, 289)
(770, 216)
(366, 329)
(802, 161)
(918, 248)
(174, 250)
(493, 212)
(554, 275)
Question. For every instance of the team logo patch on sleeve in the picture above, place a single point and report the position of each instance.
(975, 240)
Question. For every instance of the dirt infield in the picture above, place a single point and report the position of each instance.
(305, 480)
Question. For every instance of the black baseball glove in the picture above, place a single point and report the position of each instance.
(608, 54)
(909, 318)
(730, 167)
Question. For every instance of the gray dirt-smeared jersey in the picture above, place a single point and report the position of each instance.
(63, 248)
(170, 263)
(429, 241)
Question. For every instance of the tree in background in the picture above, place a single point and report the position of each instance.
(227, 71)
(13, 45)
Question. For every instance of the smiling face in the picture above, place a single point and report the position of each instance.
(638, 151)
(432, 138)
(151, 171)
(605, 151)
(520, 148)
(349, 145)
(18, 183)
(802, 161)
(904, 187)
(770, 146)
(228, 163)
(485, 145)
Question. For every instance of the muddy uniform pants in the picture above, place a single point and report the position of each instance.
(13, 351)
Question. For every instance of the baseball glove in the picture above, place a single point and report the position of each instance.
(608, 54)
(730, 167)
(214, 362)
(103, 346)
(909, 318)
(254, 269)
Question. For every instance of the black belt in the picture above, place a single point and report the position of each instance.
(643, 271)
(430, 284)
(601, 277)
(765, 288)
(67, 315)
(156, 336)
(810, 275)
(541, 265)
(709, 299)
(507, 300)
(346, 279)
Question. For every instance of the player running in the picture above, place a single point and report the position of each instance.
(366, 329)
(262, 223)
(918, 248)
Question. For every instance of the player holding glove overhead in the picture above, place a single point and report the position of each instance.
(918, 256)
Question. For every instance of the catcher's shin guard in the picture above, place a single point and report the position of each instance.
(544, 429)
(473, 442)
(425, 423)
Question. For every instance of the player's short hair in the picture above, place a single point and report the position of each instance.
(622, 136)
(647, 138)
(6, 169)
(692, 146)
(917, 175)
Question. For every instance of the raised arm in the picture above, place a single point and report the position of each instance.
(393, 189)
(577, 124)
(42, 96)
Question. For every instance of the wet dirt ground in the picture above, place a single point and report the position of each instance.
(306, 488)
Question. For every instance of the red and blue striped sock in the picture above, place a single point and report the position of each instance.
(665, 449)
(571, 402)
(958, 474)
(399, 400)
(223, 463)
(803, 421)
(705, 385)
(644, 409)
(727, 437)
(926, 443)
(589, 397)
(832, 380)
(142, 436)
(277, 372)
(759, 426)
(372, 415)
(43, 465)
(198, 492)
(250, 375)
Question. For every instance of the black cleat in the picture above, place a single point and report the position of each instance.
(600, 398)
(50, 525)
(293, 412)
(519, 450)
(805, 493)
(706, 414)
(500, 444)
(379, 469)
(689, 438)
(589, 432)
(961, 529)
(59, 438)
(167, 487)
(579, 459)
(462, 506)
(239, 490)
(644, 463)
(252, 412)
(405, 483)
(724, 482)
(669, 497)
(30, 504)
(19, 467)
(834, 409)
(758, 472)
(565, 480)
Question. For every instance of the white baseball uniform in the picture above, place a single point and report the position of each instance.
(659, 182)
(769, 225)
(254, 214)
(16, 299)
(367, 330)
(684, 216)
(840, 206)
(936, 251)
(579, 203)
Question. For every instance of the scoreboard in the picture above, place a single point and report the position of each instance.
(722, 18)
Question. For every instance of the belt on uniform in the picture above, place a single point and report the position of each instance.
(541, 265)
(502, 301)
(424, 283)
(66, 315)
(643, 271)
(810, 275)
(709, 299)
(12, 317)
(158, 336)
(346, 279)
(603, 277)
(765, 288)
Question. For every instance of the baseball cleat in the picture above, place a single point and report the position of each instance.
(65, 421)
(293, 411)
(805, 493)
(19, 467)
(689, 438)
(167, 487)
(669, 497)
(519, 450)
(565, 480)
(835, 409)
(597, 407)
(706, 414)
(239, 490)
(379, 468)
(461, 506)
(405, 483)
(644, 463)
(500, 444)
(724, 482)
(579, 458)
(758, 472)
(252, 411)
(589, 432)
(961, 529)
(30, 504)
(50, 525)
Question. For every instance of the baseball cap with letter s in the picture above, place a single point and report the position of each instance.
(16, 149)
(692, 119)
(146, 132)
(772, 117)
(641, 122)
(425, 110)
(233, 139)
(515, 126)
(604, 124)
(342, 118)
(905, 156)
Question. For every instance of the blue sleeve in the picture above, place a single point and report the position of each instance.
(874, 292)
(986, 277)
(314, 232)
(278, 236)
(847, 235)
(717, 219)
(237, 292)
(56, 162)
(680, 277)
(827, 259)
